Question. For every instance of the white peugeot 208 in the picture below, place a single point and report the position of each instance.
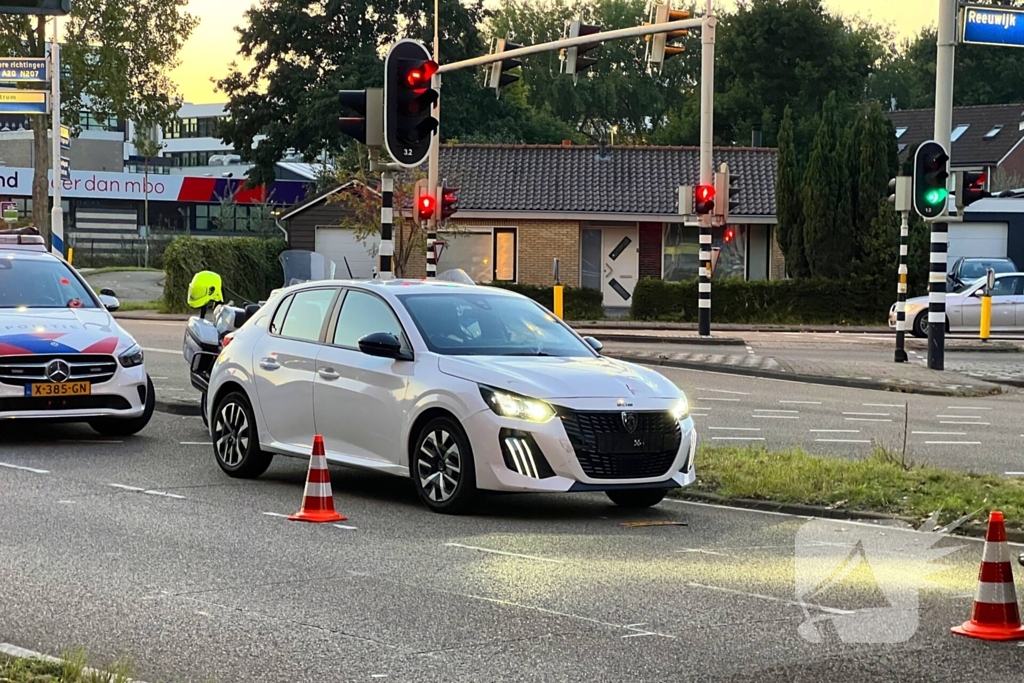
(461, 388)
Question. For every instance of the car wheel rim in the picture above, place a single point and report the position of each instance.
(231, 434)
(439, 465)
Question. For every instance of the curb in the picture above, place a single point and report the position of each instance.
(997, 347)
(846, 382)
(150, 316)
(727, 327)
(820, 512)
(651, 339)
(177, 407)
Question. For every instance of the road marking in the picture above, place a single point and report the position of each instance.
(736, 429)
(344, 526)
(1015, 474)
(869, 414)
(126, 488)
(737, 438)
(966, 408)
(164, 494)
(194, 443)
(176, 352)
(953, 443)
(502, 552)
(941, 433)
(152, 377)
(952, 422)
(274, 514)
(85, 441)
(723, 391)
(728, 400)
(701, 551)
(808, 403)
(866, 419)
(23, 468)
(834, 431)
(770, 598)
(881, 405)
(761, 410)
(961, 417)
(842, 441)
(778, 417)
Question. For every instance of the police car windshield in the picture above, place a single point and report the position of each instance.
(32, 282)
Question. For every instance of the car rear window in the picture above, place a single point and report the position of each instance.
(41, 283)
(972, 270)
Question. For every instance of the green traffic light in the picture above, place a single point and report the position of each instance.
(935, 196)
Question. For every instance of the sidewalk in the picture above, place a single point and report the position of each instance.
(630, 325)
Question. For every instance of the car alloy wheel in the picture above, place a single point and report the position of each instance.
(235, 441)
(442, 467)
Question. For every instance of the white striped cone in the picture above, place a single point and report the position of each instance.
(995, 615)
(317, 500)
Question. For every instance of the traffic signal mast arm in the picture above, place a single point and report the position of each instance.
(555, 45)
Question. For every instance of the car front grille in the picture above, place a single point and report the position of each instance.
(21, 370)
(607, 450)
(25, 403)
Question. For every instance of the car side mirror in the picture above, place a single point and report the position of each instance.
(109, 301)
(383, 345)
(594, 343)
(978, 293)
(108, 292)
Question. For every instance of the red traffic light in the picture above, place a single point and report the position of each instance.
(419, 77)
(426, 205)
(705, 193)
(729, 234)
(449, 201)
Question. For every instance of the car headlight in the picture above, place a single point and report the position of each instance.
(680, 410)
(515, 406)
(132, 358)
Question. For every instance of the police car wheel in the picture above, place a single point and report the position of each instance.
(112, 426)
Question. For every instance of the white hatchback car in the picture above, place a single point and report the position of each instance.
(62, 355)
(461, 388)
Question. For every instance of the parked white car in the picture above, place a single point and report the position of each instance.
(462, 388)
(963, 307)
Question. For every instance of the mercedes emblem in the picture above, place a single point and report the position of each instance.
(58, 371)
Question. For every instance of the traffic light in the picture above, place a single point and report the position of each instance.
(40, 7)
(730, 234)
(424, 203)
(658, 48)
(573, 61)
(705, 199)
(726, 186)
(368, 127)
(496, 76)
(449, 201)
(408, 100)
(970, 187)
(931, 174)
(899, 193)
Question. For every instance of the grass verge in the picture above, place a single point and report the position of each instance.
(877, 483)
(127, 306)
(72, 668)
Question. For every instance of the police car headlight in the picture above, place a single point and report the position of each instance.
(132, 358)
(681, 409)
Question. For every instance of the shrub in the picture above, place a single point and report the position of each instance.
(579, 303)
(800, 301)
(249, 266)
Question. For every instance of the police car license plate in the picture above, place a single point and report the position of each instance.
(59, 389)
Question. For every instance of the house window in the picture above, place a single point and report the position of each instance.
(590, 258)
(958, 131)
(486, 255)
(994, 132)
(900, 131)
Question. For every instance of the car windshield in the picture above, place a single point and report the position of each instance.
(472, 324)
(40, 283)
(972, 270)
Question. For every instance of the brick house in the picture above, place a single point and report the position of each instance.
(608, 214)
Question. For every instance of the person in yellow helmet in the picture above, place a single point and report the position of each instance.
(205, 290)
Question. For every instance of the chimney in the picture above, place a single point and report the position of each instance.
(755, 138)
(566, 143)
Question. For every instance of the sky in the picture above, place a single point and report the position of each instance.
(214, 43)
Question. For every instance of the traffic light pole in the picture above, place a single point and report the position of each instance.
(707, 112)
(945, 52)
(434, 159)
(57, 213)
(901, 291)
(387, 215)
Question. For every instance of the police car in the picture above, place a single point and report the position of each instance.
(62, 355)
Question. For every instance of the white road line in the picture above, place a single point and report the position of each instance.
(762, 410)
(736, 429)
(842, 440)
(834, 431)
(941, 433)
(152, 377)
(176, 352)
(728, 400)
(723, 391)
(867, 419)
(274, 514)
(126, 488)
(807, 403)
(194, 443)
(164, 494)
(344, 526)
(502, 552)
(881, 405)
(953, 443)
(966, 408)
(23, 468)
(869, 414)
(778, 417)
(960, 417)
(770, 598)
(960, 422)
(1015, 474)
(737, 438)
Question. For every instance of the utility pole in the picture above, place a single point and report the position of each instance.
(945, 52)
(57, 214)
(707, 112)
(434, 162)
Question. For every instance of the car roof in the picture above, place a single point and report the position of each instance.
(26, 251)
(397, 287)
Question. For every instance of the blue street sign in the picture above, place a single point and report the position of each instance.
(23, 69)
(22, 102)
(988, 25)
(65, 168)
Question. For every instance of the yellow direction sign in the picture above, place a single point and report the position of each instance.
(22, 101)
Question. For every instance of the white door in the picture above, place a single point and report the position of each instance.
(620, 263)
(340, 245)
(976, 240)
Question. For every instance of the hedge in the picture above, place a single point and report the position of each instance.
(578, 303)
(857, 301)
(249, 267)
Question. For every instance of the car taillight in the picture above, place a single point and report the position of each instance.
(227, 340)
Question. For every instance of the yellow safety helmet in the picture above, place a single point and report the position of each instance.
(205, 289)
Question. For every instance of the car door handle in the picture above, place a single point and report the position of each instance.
(328, 374)
(269, 364)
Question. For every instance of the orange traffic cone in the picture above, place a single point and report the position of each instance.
(317, 500)
(995, 615)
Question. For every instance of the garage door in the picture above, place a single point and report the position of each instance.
(340, 244)
(976, 239)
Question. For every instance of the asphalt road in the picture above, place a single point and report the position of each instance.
(188, 575)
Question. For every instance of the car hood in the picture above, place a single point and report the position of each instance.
(65, 331)
(559, 378)
(923, 300)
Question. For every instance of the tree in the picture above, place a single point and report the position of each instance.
(826, 238)
(116, 57)
(788, 210)
(875, 164)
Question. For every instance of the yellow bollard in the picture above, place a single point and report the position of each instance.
(558, 300)
(71, 254)
(986, 317)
